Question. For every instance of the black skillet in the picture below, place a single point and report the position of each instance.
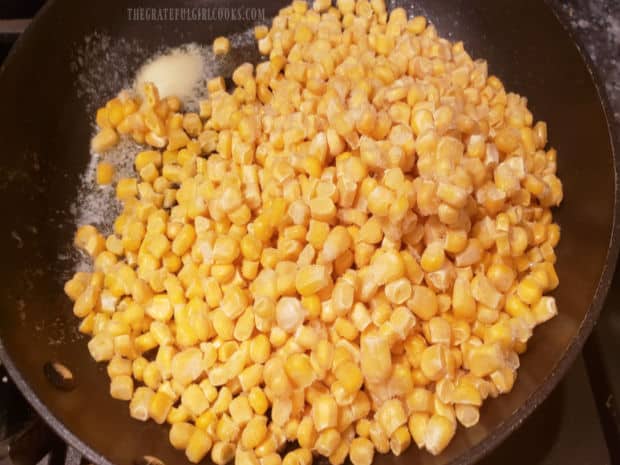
(45, 123)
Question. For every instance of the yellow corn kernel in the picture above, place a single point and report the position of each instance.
(245, 457)
(337, 242)
(484, 292)
(101, 347)
(470, 255)
(439, 331)
(439, 432)
(376, 360)
(324, 413)
(350, 375)
(327, 442)
(105, 173)
(306, 433)
(391, 415)
(184, 240)
(140, 402)
(485, 359)
(76, 285)
(215, 85)
(416, 25)
(269, 258)
(323, 355)
(467, 415)
(545, 309)
(126, 188)
(433, 362)
(225, 250)
(463, 303)
(88, 239)
(379, 438)
(221, 45)
(251, 247)
(317, 233)
(423, 302)
(121, 387)
(400, 440)
(310, 279)
(198, 446)
(299, 370)
(455, 241)
(339, 455)
(388, 266)
(322, 209)
(254, 432)
(433, 257)
(529, 290)
(501, 276)
(177, 414)
(249, 269)
(119, 366)
(180, 434)
(298, 457)
(223, 273)
(371, 232)
(260, 31)
(399, 291)
(207, 422)
(194, 399)
(226, 428)
(160, 405)
(260, 348)
(361, 451)
(258, 400)
(346, 329)
(270, 459)
(105, 139)
(418, 422)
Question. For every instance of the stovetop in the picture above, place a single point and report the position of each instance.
(579, 424)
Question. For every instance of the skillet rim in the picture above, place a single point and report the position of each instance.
(514, 421)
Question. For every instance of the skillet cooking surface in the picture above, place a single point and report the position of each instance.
(45, 125)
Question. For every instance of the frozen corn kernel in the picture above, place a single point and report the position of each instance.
(221, 45)
(105, 173)
(160, 405)
(391, 415)
(324, 413)
(400, 440)
(310, 279)
(105, 139)
(423, 302)
(433, 257)
(545, 309)
(289, 314)
(438, 433)
(361, 451)
(485, 359)
(140, 402)
(376, 359)
(121, 387)
(180, 435)
(198, 445)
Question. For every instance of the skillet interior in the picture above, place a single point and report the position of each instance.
(45, 125)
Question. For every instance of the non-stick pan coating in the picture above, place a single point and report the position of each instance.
(45, 125)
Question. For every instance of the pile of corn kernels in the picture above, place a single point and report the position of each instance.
(348, 251)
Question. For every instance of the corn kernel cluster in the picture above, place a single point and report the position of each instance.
(348, 251)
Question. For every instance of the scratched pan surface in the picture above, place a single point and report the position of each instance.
(45, 122)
